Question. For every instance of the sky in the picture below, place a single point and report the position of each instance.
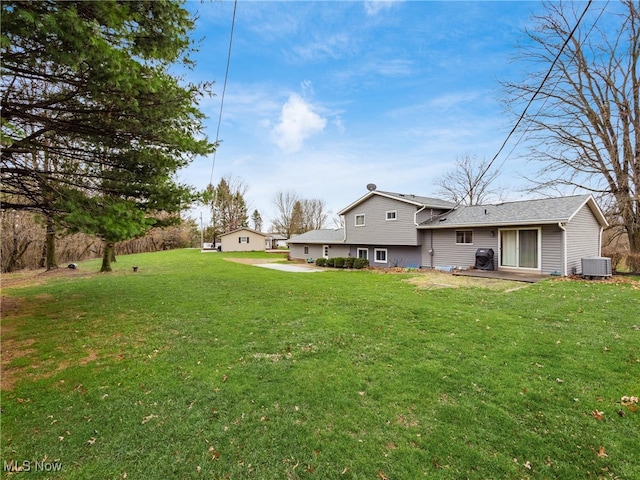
(323, 98)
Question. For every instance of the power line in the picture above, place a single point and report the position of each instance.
(538, 90)
(224, 88)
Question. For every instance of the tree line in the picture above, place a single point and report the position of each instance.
(229, 210)
(94, 124)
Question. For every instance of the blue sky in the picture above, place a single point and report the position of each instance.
(325, 97)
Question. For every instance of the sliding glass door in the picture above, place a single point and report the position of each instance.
(519, 248)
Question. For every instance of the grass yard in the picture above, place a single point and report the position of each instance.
(198, 367)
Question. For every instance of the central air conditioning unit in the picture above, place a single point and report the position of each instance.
(596, 267)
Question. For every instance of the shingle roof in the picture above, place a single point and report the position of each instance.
(542, 211)
(319, 236)
(246, 229)
(404, 197)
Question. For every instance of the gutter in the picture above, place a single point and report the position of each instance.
(564, 247)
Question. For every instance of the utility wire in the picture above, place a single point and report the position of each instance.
(538, 90)
(224, 88)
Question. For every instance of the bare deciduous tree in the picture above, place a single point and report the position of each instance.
(296, 215)
(585, 123)
(469, 183)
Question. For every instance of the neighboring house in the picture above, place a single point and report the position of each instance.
(548, 236)
(243, 240)
(275, 240)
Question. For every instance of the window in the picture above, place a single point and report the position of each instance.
(363, 253)
(360, 220)
(243, 239)
(392, 215)
(464, 236)
(380, 255)
(520, 248)
(306, 250)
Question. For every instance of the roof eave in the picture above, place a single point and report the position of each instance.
(492, 224)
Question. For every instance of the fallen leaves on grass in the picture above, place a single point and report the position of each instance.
(215, 455)
(148, 418)
(597, 414)
(602, 453)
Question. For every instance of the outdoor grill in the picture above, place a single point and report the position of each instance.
(484, 259)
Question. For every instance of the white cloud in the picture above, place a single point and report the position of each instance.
(373, 7)
(298, 121)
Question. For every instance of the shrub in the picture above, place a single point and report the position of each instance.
(338, 262)
(330, 262)
(360, 263)
(348, 262)
(321, 262)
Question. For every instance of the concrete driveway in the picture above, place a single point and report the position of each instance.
(288, 268)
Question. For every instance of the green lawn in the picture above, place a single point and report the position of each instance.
(198, 367)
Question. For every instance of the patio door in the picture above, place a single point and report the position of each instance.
(520, 248)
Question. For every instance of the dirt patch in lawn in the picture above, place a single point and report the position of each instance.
(435, 279)
(28, 278)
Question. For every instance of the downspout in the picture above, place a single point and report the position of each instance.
(564, 247)
(344, 229)
(415, 215)
(415, 222)
(600, 242)
(431, 250)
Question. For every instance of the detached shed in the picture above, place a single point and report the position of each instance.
(243, 240)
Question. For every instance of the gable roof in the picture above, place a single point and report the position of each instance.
(244, 229)
(416, 200)
(524, 212)
(333, 235)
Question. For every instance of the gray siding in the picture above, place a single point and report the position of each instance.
(379, 231)
(429, 214)
(397, 256)
(552, 260)
(583, 238)
(446, 253)
(296, 251)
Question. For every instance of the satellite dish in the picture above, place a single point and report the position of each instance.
(371, 187)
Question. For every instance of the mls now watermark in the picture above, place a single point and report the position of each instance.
(31, 466)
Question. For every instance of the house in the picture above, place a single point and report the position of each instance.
(243, 240)
(276, 240)
(548, 236)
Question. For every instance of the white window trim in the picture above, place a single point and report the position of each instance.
(244, 239)
(535, 269)
(464, 230)
(356, 220)
(366, 250)
(395, 215)
(375, 256)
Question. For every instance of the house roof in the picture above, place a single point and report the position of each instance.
(524, 212)
(319, 236)
(416, 200)
(244, 229)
